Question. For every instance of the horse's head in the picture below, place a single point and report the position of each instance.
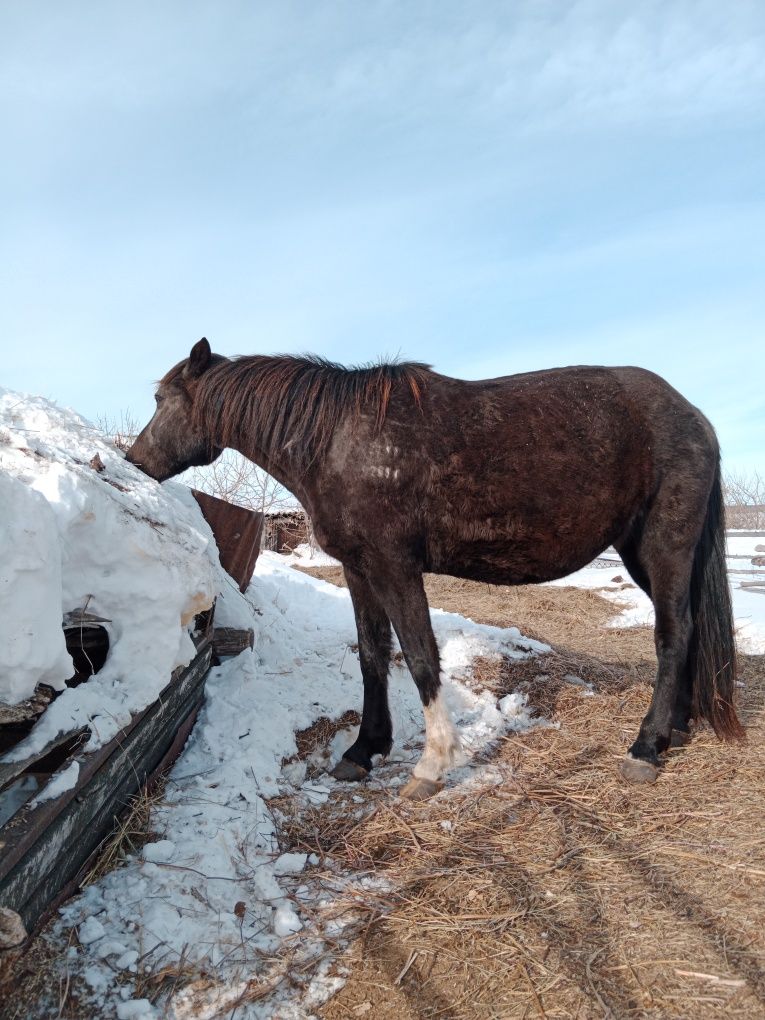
(172, 441)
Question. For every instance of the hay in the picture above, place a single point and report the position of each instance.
(132, 830)
(564, 892)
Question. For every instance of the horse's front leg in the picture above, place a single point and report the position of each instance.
(404, 598)
(376, 732)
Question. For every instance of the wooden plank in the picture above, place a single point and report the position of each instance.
(164, 766)
(229, 641)
(22, 830)
(58, 850)
(85, 823)
(9, 770)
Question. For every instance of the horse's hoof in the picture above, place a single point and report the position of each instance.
(679, 738)
(420, 789)
(637, 770)
(347, 771)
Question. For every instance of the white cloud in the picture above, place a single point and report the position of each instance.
(542, 63)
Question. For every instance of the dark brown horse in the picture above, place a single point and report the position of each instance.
(514, 480)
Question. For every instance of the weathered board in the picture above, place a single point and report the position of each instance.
(230, 641)
(284, 530)
(43, 848)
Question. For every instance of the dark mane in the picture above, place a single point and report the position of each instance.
(285, 400)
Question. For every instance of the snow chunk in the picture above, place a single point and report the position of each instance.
(286, 921)
(60, 783)
(290, 864)
(158, 852)
(136, 1009)
(90, 931)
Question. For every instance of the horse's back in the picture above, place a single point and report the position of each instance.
(518, 479)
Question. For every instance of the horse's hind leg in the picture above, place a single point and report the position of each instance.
(375, 733)
(662, 556)
(683, 703)
(407, 607)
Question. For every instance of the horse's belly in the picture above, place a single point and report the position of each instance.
(519, 558)
(494, 571)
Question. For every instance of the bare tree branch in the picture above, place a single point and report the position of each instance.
(744, 495)
(234, 478)
(121, 431)
(231, 477)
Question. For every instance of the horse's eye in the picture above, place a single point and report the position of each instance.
(158, 397)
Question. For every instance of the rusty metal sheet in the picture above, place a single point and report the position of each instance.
(237, 533)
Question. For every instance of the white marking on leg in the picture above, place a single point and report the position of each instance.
(442, 745)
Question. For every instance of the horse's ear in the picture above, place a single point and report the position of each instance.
(199, 359)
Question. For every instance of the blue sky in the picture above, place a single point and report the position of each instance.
(489, 187)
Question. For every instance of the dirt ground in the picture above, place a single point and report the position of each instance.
(563, 892)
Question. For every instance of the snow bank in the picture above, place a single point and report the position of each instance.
(215, 885)
(103, 538)
(31, 639)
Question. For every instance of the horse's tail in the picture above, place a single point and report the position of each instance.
(712, 651)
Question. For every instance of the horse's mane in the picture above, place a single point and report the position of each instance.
(296, 402)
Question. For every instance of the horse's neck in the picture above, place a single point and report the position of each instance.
(282, 463)
(277, 464)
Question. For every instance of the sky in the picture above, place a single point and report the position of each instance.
(487, 187)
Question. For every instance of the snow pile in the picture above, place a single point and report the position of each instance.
(97, 535)
(215, 888)
(305, 555)
(31, 640)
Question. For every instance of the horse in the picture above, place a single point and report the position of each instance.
(516, 480)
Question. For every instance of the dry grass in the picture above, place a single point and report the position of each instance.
(320, 733)
(132, 830)
(565, 892)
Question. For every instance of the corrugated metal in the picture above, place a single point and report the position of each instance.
(237, 533)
